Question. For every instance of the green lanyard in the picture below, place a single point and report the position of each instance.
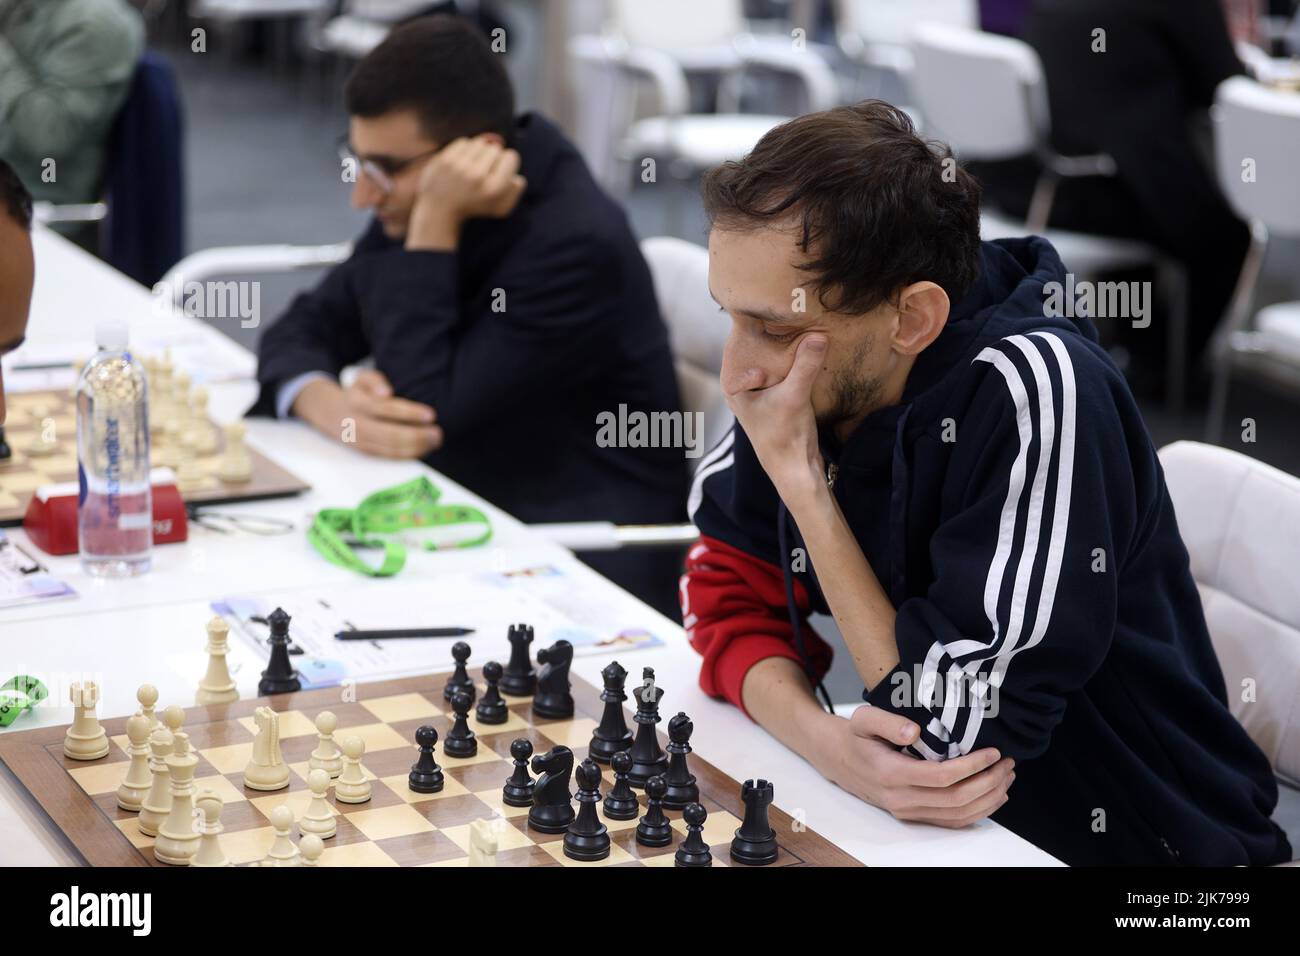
(17, 696)
(336, 533)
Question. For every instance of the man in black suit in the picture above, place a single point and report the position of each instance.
(502, 297)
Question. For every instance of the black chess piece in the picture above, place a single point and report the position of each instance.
(654, 828)
(492, 709)
(518, 791)
(459, 679)
(648, 758)
(553, 699)
(755, 840)
(5, 450)
(460, 741)
(552, 810)
(519, 679)
(612, 734)
(279, 676)
(620, 802)
(682, 788)
(693, 851)
(425, 775)
(587, 838)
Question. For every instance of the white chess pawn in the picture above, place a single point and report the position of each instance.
(210, 852)
(319, 818)
(202, 437)
(192, 476)
(147, 695)
(236, 463)
(282, 852)
(177, 840)
(266, 769)
(326, 756)
(352, 785)
(159, 799)
(310, 849)
(85, 739)
(173, 716)
(139, 778)
(217, 687)
(482, 843)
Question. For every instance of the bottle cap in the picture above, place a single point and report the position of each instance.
(111, 336)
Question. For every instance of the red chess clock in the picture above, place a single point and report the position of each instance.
(51, 519)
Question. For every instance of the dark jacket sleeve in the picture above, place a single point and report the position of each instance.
(1199, 31)
(322, 330)
(1026, 559)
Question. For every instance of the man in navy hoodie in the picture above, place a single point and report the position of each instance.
(964, 482)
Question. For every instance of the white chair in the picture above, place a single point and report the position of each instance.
(877, 33)
(1240, 520)
(247, 260)
(1257, 145)
(986, 96)
(660, 44)
(362, 25)
(698, 332)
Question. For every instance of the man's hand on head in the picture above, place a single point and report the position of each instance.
(370, 417)
(780, 424)
(469, 179)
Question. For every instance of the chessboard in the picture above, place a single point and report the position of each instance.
(53, 413)
(396, 827)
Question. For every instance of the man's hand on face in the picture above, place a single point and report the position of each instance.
(469, 179)
(381, 423)
(780, 423)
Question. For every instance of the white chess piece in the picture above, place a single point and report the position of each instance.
(319, 818)
(177, 840)
(266, 769)
(147, 695)
(210, 851)
(482, 843)
(326, 756)
(173, 716)
(310, 849)
(191, 476)
(159, 799)
(85, 739)
(139, 778)
(352, 785)
(236, 463)
(282, 852)
(202, 437)
(217, 687)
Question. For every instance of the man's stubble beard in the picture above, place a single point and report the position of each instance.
(856, 394)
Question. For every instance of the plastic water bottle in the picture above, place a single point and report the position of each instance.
(115, 507)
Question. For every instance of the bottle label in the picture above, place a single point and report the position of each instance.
(135, 522)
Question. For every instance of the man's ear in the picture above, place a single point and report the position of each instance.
(922, 314)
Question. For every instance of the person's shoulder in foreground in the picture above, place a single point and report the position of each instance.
(17, 268)
(932, 450)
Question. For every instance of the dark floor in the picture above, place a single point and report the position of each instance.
(262, 167)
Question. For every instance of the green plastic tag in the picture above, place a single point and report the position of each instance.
(18, 695)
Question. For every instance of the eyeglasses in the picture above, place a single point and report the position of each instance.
(381, 173)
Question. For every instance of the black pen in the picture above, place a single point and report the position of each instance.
(404, 632)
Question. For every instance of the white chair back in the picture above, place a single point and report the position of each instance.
(1240, 520)
(1257, 151)
(891, 21)
(983, 94)
(697, 329)
(677, 25)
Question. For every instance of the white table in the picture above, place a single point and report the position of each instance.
(123, 631)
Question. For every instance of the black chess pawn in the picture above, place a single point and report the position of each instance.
(519, 679)
(518, 791)
(682, 788)
(621, 802)
(755, 840)
(693, 851)
(425, 775)
(648, 758)
(492, 709)
(460, 741)
(459, 679)
(587, 838)
(654, 828)
(279, 676)
(5, 450)
(612, 734)
(552, 810)
(553, 699)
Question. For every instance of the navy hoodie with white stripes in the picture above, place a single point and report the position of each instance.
(1013, 507)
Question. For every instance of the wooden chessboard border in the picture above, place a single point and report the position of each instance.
(36, 758)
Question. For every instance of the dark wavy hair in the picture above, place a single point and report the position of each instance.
(877, 206)
(14, 197)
